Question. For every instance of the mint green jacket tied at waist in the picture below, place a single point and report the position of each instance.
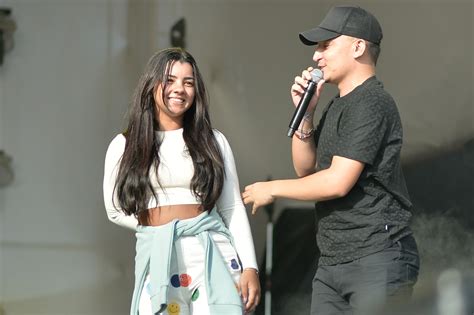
(153, 255)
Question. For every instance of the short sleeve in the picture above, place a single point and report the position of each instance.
(361, 130)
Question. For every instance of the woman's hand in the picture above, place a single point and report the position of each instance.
(250, 289)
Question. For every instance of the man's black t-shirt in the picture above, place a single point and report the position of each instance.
(364, 125)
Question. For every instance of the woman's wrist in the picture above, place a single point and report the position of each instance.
(251, 269)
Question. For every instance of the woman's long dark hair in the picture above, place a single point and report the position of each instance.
(133, 186)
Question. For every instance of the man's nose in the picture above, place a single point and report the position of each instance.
(317, 56)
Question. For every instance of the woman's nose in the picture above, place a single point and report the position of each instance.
(178, 87)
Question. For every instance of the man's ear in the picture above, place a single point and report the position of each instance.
(359, 47)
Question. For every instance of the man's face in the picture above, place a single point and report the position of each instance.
(334, 57)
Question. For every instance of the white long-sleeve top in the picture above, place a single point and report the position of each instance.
(176, 171)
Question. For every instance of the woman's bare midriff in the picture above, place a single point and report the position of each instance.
(165, 214)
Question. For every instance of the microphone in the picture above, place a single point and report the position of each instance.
(316, 76)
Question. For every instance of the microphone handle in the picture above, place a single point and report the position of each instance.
(301, 108)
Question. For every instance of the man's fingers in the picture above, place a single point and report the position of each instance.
(248, 187)
(300, 84)
(306, 75)
(254, 208)
(246, 198)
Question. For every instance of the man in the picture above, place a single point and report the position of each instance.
(350, 165)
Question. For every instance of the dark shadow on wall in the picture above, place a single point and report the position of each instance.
(294, 263)
(442, 191)
(444, 184)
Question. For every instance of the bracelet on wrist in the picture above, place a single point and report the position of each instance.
(301, 134)
(254, 269)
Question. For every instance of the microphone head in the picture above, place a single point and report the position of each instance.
(316, 75)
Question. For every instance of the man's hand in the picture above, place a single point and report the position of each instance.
(259, 194)
(299, 87)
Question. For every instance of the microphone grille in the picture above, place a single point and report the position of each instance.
(316, 75)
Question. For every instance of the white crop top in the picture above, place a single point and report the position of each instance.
(175, 171)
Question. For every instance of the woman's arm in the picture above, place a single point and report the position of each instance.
(234, 215)
(112, 163)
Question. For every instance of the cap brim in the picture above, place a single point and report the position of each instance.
(316, 35)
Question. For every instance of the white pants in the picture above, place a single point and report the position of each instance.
(187, 291)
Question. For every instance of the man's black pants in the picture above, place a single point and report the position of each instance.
(366, 285)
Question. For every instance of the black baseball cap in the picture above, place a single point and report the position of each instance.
(345, 20)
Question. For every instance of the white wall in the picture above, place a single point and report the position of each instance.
(64, 90)
(2, 207)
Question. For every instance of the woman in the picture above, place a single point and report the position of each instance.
(172, 178)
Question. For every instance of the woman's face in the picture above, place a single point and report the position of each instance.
(177, 97)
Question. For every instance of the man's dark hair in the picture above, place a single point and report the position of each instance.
(374, 51)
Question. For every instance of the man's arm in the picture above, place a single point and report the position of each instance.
(303, 151)
(331, 183)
